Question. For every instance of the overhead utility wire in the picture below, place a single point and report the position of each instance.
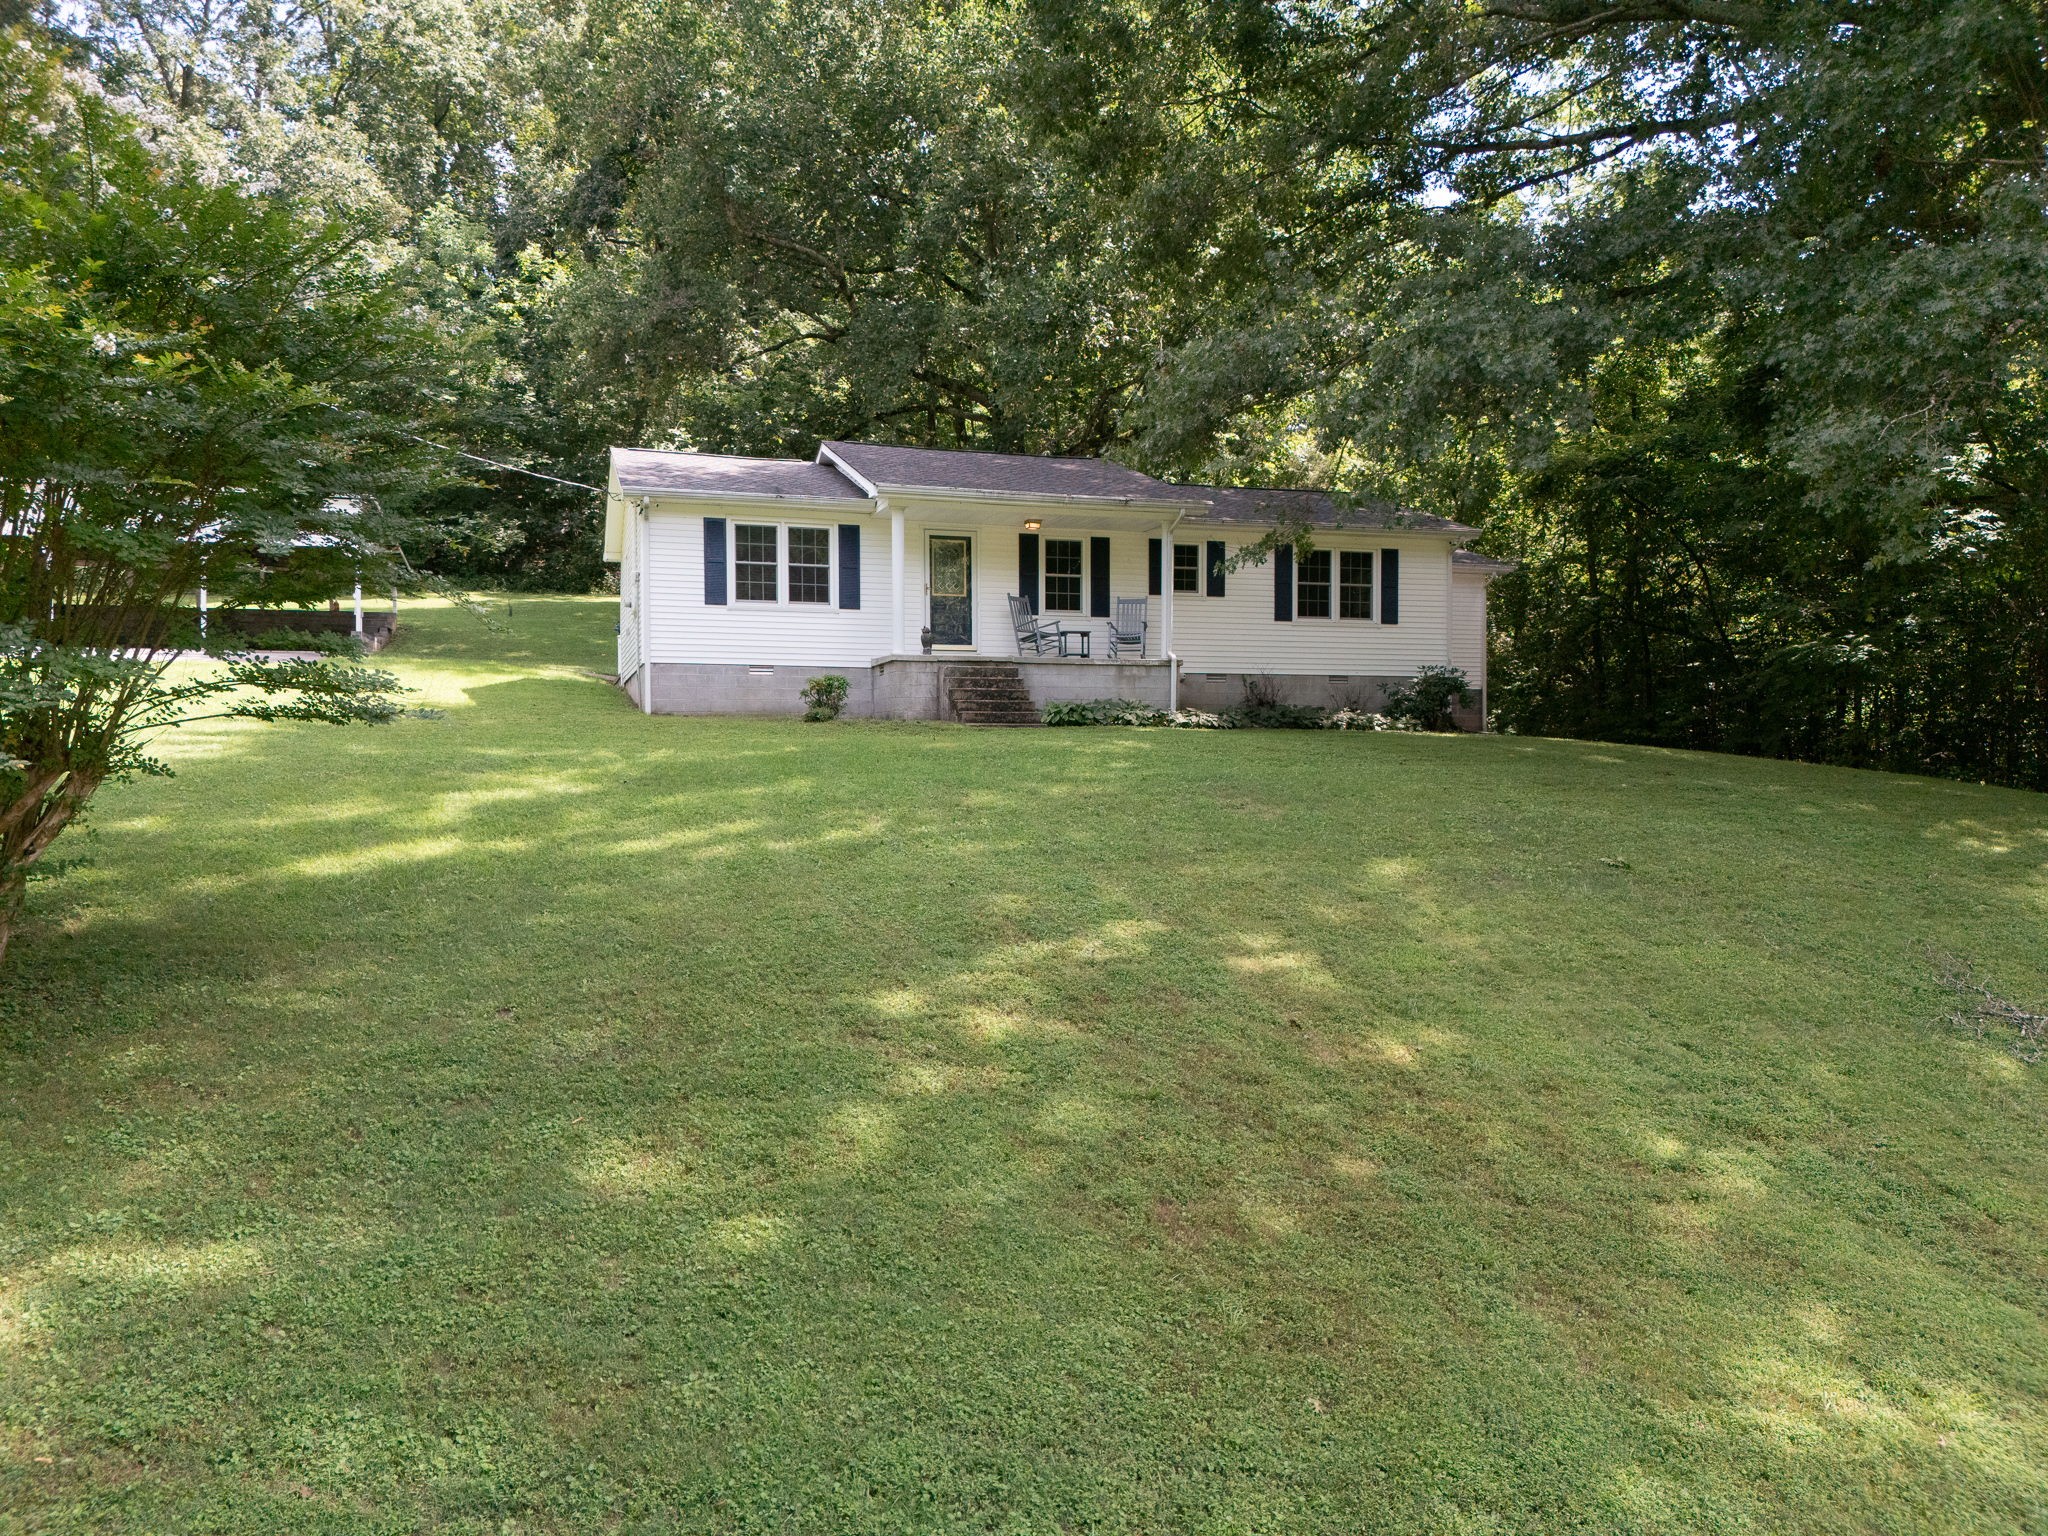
(495, 464)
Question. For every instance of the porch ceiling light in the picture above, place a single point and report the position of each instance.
(1032, 525)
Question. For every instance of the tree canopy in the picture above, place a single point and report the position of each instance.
(1723, 317)
(200, 386)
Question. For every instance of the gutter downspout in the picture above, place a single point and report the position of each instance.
(1166, 613)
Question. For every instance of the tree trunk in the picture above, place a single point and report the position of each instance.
(27, 828)
(13, 891)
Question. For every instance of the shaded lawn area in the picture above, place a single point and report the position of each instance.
(551, 1115)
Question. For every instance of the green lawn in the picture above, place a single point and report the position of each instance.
(546, 1118)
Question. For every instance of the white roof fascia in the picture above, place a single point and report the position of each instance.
(1034, 498)
(747, 498)
(1199, 521)
(827, 456)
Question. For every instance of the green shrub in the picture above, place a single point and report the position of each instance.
(1277, 717)
(1426, 704)
(825, 696)
(1264, 709)
(1103, 712)
(324, 641)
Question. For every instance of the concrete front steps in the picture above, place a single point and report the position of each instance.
(991, 695)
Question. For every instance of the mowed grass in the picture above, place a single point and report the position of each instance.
(546, 1118)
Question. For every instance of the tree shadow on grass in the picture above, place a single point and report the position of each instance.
(871, 1128)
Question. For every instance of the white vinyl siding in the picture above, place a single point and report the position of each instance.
(1233, 633)
(995, 578)
(1468, 625)
(1238, 633)
(629, 597)
(682, 627)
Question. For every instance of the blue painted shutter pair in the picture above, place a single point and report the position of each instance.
(715, 563)
(1098, 578)
(1027, 569)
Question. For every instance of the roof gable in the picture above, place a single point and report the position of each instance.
(659, 471)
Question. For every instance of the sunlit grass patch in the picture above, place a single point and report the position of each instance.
(550, 1118)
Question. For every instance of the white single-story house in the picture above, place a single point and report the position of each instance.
(956, 585)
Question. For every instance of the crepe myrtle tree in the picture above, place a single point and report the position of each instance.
(198, 386)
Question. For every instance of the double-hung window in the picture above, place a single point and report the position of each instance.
(1187, 567)
(1354, 584)
(761, 551)
(1312, 585)
(1062, 575)
(755, 558)
(810, 565)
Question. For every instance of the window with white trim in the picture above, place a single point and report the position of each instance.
(755, 559)
(810, 565)
(1062, 575)
(1312, 585)
(1354, 584)
(1187, 567)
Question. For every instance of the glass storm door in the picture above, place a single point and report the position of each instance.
(952, 587)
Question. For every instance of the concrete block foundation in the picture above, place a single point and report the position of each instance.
(892, 688)
(915, 687)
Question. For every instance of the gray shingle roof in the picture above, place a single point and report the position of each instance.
(1007, 474)
(1013, 474)
(1473, 560)
(718, 474)
(1262, 505)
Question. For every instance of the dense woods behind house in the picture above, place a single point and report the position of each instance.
(1723, 318)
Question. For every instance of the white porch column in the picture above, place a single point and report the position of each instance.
(1166, 614)
(359, 607)
(202, 610)
(1165, 588)
(897, 613)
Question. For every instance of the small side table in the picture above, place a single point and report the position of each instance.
(1075, 642)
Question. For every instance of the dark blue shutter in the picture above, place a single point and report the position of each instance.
(1027, 569)
(714, 560)
(1152, 562)
(1283, 584)
(1098, 578)
(1215, 567)
(1390, 586)
(849, 565)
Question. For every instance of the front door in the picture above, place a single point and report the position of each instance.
(952, 589)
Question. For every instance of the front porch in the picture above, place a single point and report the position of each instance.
(919, 687)
(897, 687)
